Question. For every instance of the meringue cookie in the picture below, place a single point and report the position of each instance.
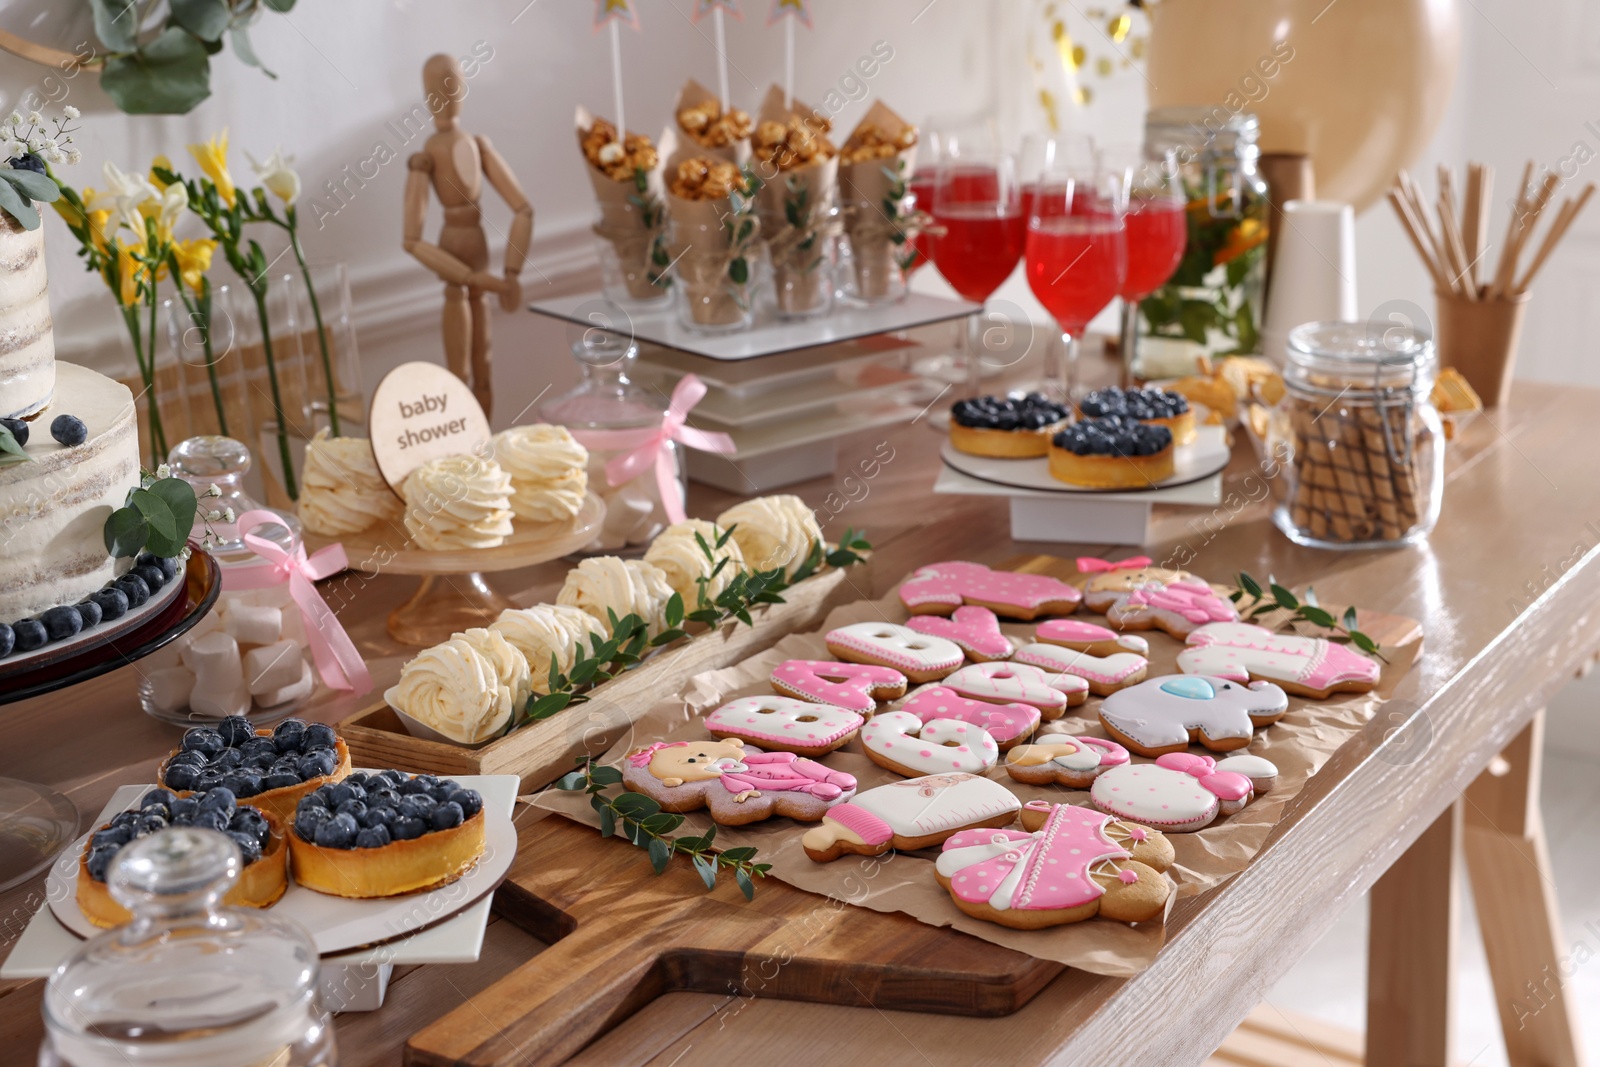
(549, 471)
(603, 584)
(455, 690)
(458, 502)
(547, 630)
(510, 665)
(772, 531)
(680, 557)
(341, 490)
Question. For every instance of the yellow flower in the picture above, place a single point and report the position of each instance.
(213, 159)
(128, 272)
(97, 227)
(162, 163)
(194, 259)
(69, 212)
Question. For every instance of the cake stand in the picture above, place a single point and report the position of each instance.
(453, 594)
(36, 822)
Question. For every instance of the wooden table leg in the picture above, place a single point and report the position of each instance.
(1509, 865)
(1411, 950)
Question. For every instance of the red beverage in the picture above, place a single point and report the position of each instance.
(1075, 266)
(979, 248)
(921, 245)
(1157, 233)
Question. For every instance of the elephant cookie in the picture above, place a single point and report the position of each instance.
(1179, 608)
(1105, 674)
(855, 687)
(1087, 637)
(1061, 759)
(1020, 683)
(1181, 792)
(975, 629)
(1306, 666)
(1165, 714)
(901, 742)
(785, 724)
(1070, 865)
(1109, 582)
(940, 588)
(916, 813)
(920, 657)
(1006, 723)
(738, 785)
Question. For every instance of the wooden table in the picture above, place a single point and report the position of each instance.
(1507, 590)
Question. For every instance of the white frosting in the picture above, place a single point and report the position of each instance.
(935, 747)
(895, 646)
(1161, 712)
(341, 491)
(784, 722)
(1020, 682)
(1155, 796)
(1256, 768)
(458, 502)
(680, 557)
(1241, 651)
(546, 630)
(1103, 670)
(1004, 722)
(772, 531)
(549, 471)
(455, 690)
(922, 807)
(27, 339)
(602, 585)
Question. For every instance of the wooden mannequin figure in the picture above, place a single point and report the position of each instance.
(454, 164)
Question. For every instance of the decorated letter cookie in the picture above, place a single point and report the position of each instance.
(1105, 674)
(920, 657)
(1109, 581)
(903, 743)
(1007, 683)
(1074, 863)
(1006, 723)
(786, 724)
(739, 785)
(1061, 759)
(1179, 608)
(940, 588)
(853, 686)
(1180, 791)
(975, 629)
(915, 813)
(1087, 637)
(1308, 666)
(1165, 714)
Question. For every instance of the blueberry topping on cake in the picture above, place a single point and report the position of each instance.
(69, 430)
(1140, 404)
(134, 588)
(29, 634)
(89, 612)
(113, 602)
(230, 757)
(61, 623)
(18, 428)
(1032, 412)
(159, 808)
(372, 810)
(1113, 436)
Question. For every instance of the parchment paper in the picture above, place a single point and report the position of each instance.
(1299, 744)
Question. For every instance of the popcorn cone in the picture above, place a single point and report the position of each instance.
(623, 215)
(692, 95)
(703, 250)
(801, 281)
(864, 187)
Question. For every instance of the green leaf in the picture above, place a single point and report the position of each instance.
(572, 781)
(661, 823)
(722, 538)
(1350, 617)
(608, 821)
(739, 271)
(179, 497)
(548, 705)
(116, 23)
(740, 854)
(1363, 642)
(33, 185)
(707, 869)
(635, 806)
(690, 844)
(169, 76)
(1284, 598)
(17, 206)
(1311, 597)
(711, 835)
(660, 853)
(1317, 615)
(280, 6)
(239, 37)
(126, 532)
(206, 19)
(746, 886)
(674, 609)
(155, 512)
(602, 775)
(10, 451)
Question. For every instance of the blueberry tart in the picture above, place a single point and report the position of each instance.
(385, 833)
(1162, 407)
(1006, 427)
(1112, 453)
(260, 836)
(272, 769)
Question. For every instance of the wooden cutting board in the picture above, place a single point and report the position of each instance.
(623, 937)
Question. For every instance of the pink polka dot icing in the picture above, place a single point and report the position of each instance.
(853, 686)
(783, 722)
(975, 629)
(954, 583)
(1004, 722)
(1076, 632)
(1048, 869)
(1240, 651)
(934, 747)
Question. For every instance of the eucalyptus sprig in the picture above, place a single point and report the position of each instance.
(653, 214)
(157, 517)
(741, 225)
(10, 451)
(641, 820)
(1276, 597)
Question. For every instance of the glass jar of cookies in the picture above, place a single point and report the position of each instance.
(1355, 446)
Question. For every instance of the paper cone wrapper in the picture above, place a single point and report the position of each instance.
(621, 222)
(687, 147)
(700, 248)
(863, 187)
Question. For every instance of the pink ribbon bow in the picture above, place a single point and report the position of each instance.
(1093, 565)
(647, 446)
(335, 655)
(1225, 785)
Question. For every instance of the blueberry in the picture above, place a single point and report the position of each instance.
(211, 820)
(318, 763)
(279, 781)
(287, 765)
(150, 822)
(417, 806)
(248, 820)
(8, 640)
(134, 587)
(27, 161)
(261, 761)
(468, 800)
(355, 808)
(357, 778)
(220, 798)
(253, 745)
(242, 783)
(236, 731)
(372, 837)
(443, 791)
(249, 847)
(413, 785)
(187, 757)
(406, 829)
(183, 809)
(69, 430)
(18, 428)
(207, 781)
(226, 760)
(338, 793)
(157, 796)
(28, 634)
(377, 817)
(288, 735)
(114, 836)
(129, 819)
(168, 567)
(338, 832)
(89, 611)
(319, 735)
(113, 602)
(386, 797)
(62, 622)
(446, 816)
(152, 576)
(204, 740)
(99, 860)
(307, 820)
(394, 777)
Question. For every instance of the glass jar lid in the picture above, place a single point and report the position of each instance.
(606, 398)
(1335, 356)
(1223, 130)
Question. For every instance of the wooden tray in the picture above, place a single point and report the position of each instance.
(544, 751)
(623, 937)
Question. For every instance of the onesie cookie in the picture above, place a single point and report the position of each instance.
(738, 785)
(900, 742)
(1071, 865)
(785, 724)
(855, 687)
(916, 813)
(1019, 683)
(1181, 792)
(1179, 608)
(1006, 723)
(1109, 581)
(1105, 674)
(920, 657)
(1307, 666)
(1165, 714)
(1061, 759)
(1088, 637)
(975, 629)
(940, 588)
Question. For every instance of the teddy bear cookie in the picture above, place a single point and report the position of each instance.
(940, 588)
(975, 629)
(738, 785)
(903, 743)
(1019, 683)
(1081, 636)
(916, 813)
(1108, 581)
(855, 687)
(1061, 759)
(1306, 666)
(1104, 674)
(1008, 724)
(1180, 791)
(920, 657)
(1178, 607)
(1067, 865)
(784, 724)
(1165, 714)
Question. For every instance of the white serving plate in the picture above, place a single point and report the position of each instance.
(1207, 455)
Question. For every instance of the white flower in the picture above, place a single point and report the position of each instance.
(74, 156)
(123, 195)
(35, 119)
(228, 516)
(183, 554)
(14, 148)
(213, 516)
(48, 144)
(71, 112)
(277, 175)
(163, 471)
(174, 200)
(214, 490)
(54, 155)
(15, 119)
(36, 144)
